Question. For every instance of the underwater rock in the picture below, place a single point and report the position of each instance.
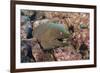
(23, 34)
(26, 30)
(24, 19)
(37, 53)
(85, 18)
(84, 51)
(40, 55)
(40, 15)
(27, 12)
(26, 50)
(66, 53)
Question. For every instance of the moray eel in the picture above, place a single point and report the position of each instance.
(51, 35)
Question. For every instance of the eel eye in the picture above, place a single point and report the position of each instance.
(60, 39)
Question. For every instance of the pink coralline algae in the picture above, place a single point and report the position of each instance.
(66, 54)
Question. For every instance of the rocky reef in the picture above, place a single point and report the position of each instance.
(54, 36)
